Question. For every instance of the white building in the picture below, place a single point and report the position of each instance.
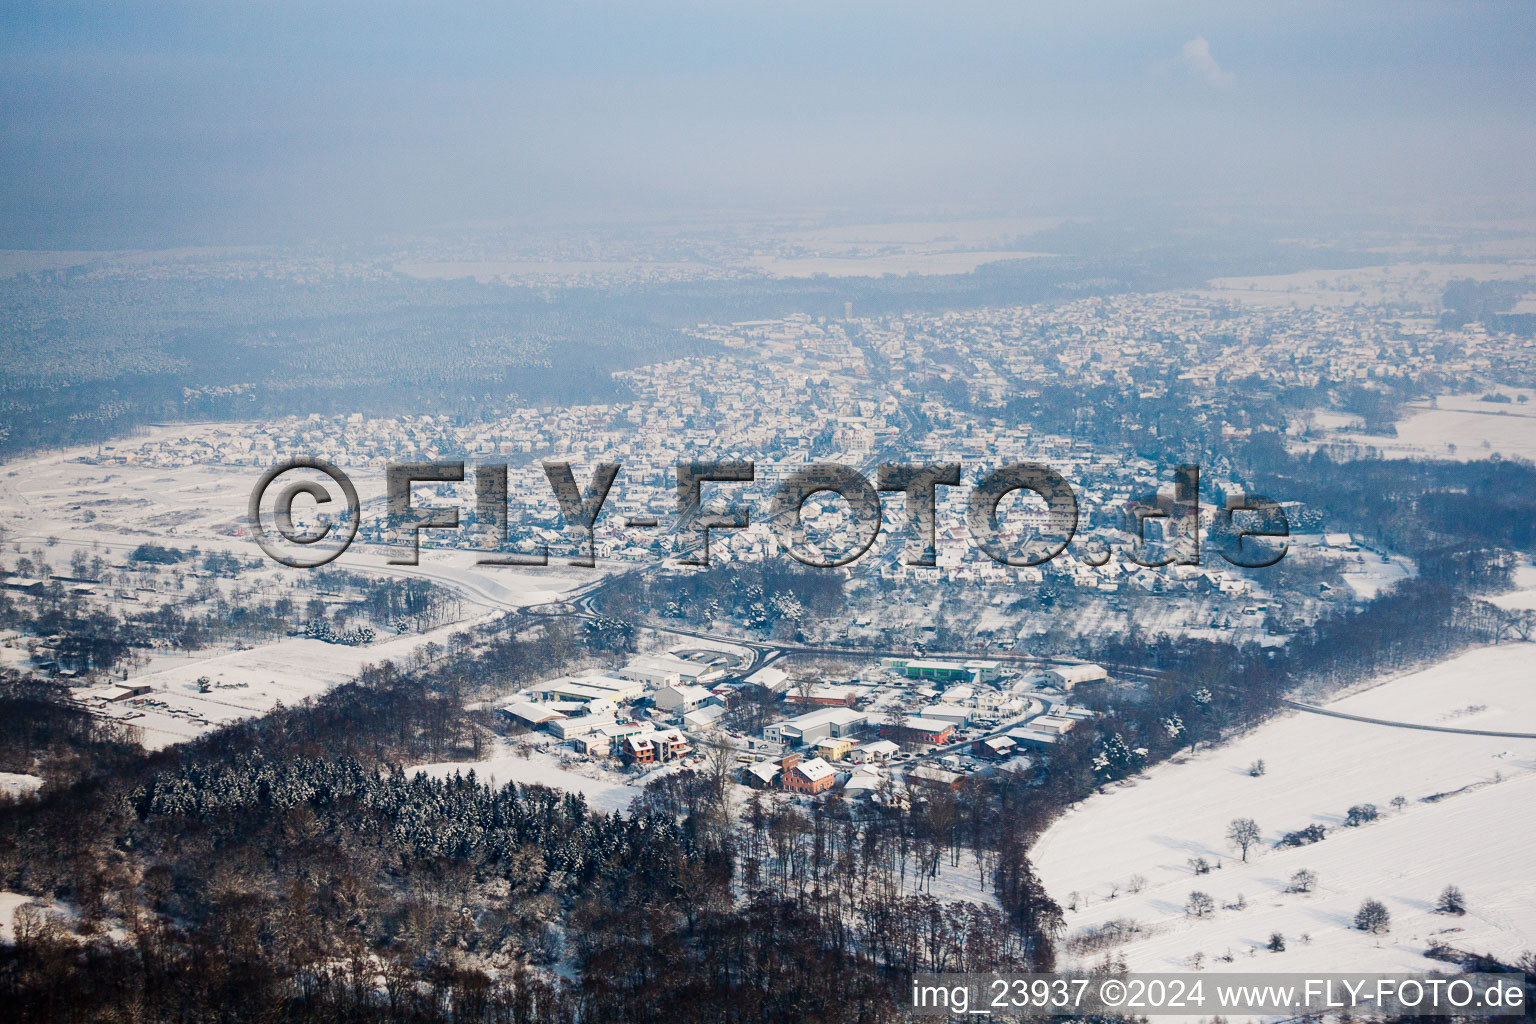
(587, 689)
(703, 719)
(529, 714)
(877, 752)
(570, 728)
(1044, 731)
(681, 699)
(656, 670)
(951, 713)
(1068, 676)
(809, 728)
(774, 680)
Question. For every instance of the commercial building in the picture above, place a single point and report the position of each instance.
(528, 714)
(827, 695)
(657, 670)
(953, 713)
(951, 671)
(943, 671)
(932, 731)
(703, 719)
(570, 728)
(1068, 676)
(1044, 731)
(587, 688)
(774, 680)
(682, 699)
(810, 727)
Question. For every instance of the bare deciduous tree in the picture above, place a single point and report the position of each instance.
(1243, 833)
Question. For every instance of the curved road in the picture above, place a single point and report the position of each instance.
(1315, 710)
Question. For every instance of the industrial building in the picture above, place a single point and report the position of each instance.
(810, 727)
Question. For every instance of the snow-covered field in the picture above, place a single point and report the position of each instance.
(1524, 594)
(1469, 821)
(70, 506)
(1404, 284)
(1456, 427)
(251, 682)
(910, 262)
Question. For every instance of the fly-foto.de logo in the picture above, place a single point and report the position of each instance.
(1249, 528)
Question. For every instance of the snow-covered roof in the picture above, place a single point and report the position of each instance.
(862, 782)
(527, 711)
(881, 748)
(765, 770)
(928, 773)
(920, 724)
(770, 678)
(815, 769)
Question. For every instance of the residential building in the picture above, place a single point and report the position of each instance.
(877, 752)
(809, 777)
(656, 747)
(761, 775)
(932, 776)
(833, 748)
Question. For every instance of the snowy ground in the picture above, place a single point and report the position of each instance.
(1524, 594)
(1401, 284)
(1469, 821)
(12, 784)
(1455, 427)
(250, 683)
(10, 902)
(606, 791)
(118, 507)
(111, 509)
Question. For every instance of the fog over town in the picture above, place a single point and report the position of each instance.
(640, 512)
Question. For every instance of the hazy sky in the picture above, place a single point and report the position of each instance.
(204, 123)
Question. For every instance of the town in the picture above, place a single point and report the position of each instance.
(923, 721)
